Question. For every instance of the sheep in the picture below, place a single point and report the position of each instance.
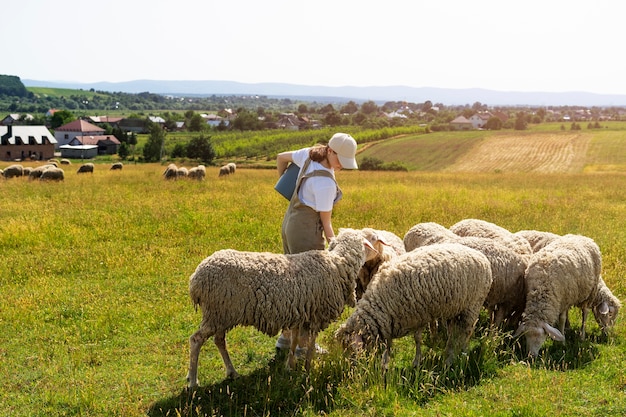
(563, 274)
(26, 171)
(388, 245)
(536, 238)
(224, 170)
(117, 166)
(171, 172)
(231, 167)
(36, 172)
(507, 295)
(65, 161)
(301, 292)
(482, 228)
(445, 281)
(605, 306)
(198, 173)
(182, 172)
(88, 167)
(1, 173)
(15, 170)
(52, 174)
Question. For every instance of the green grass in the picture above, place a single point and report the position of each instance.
(95, 317)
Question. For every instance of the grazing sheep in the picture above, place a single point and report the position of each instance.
(26, 171)
(52, 174)
(224, 170)
(15, 170)
(446, 282)
(605, 306)
(171, 172)
(66, 162)
(197, 173)
(563, 274)
(117, 166)
(36, 172)
(231, 167)
(387, 245)
(424, 234)
(301, 292)
(182, 172)
(536, 238)
(482, 228)
(88, 167)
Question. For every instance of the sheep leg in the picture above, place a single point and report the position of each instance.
(220, 341)
(585, 311)
(310, 343)
(563, 321)
(460, 331)
(386, 356)
(295, 339)
(418, 348)
(195, 343)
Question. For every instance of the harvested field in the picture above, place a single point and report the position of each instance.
(539, 152)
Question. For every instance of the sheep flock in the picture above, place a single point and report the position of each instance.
(434, 276)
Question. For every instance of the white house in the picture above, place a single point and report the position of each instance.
(66, 133)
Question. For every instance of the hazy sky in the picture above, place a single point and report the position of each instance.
(530, 45)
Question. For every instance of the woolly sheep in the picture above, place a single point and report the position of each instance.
(52, 174)
(87, 167)
(198, 173)
(26, 171)
(231, 167)
(15, 170)
(536, 238)
(171, 172)
(507, 294)
(605, 306)
(36, 172)
(224, 170)
(563, 274)
(482, 228)
(65, 161)
(301, 292)
(446, 282)
(387, 245)
(2, 172)
(182, 172)
(117, 166)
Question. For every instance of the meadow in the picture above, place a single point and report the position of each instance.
(95, 315)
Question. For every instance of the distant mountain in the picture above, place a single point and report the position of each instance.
(379, 94)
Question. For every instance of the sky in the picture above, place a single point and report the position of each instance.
(530, 45)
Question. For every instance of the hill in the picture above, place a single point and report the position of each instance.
(446, 96)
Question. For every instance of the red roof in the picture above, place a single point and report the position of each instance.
(79, 126)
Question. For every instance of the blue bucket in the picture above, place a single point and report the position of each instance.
(287, 182)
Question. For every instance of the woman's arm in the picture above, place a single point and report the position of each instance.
(327, 224)
(282, 161)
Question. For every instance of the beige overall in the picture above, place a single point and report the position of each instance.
(302, 227)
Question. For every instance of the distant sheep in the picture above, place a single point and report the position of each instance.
(565, 273)
(446, 282)
(117, 166)
(301, 292)
(482, 228)
(52, 174)
(182, 172)
(171, 172)
(66, 162)
(87, 167)
(232, 167)
(536, 238)
(15, 170)
(26, 171)
(387, 245)
(36, 172)
(224, 170)
(197, 173)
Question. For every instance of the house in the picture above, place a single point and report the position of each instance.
(14, 117)
(212, 119)
(66, 133)
(134, 125)
(479, 120)
(106, 144)
(289, 121)
(98, 120)
(26, 142)
(461, 123)
(79, 151)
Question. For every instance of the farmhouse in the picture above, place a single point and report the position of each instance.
(461, 123)
(479, 120)
(26, 142)
(66, 133)
(106, 144)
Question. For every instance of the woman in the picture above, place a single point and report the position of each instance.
(308, 218)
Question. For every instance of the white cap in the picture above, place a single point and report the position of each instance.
(344, 146)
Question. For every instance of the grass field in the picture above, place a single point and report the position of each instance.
(95, 316)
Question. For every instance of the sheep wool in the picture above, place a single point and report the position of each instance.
(423, 234)
(388, 245)
(605, 306)
(446, 281)
(482, 228)
(536, 238)
(563, 274)
(301, 292)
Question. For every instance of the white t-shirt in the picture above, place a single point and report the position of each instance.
(316, 192)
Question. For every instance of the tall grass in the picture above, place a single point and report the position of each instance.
(95, 316)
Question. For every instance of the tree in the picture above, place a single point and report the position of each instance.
(196, 123)
(349, 108)
(369, 107)
(200, 147)
(246, 120)
(61, 118)
(154, 146)
(493, 123)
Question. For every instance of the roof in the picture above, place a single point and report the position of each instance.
(79, 126)
(105, 119)
(39, 134)
(96, 139)
(461, 120)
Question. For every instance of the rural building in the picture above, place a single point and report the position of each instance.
(479, 120)
(134, 125)
(79, 151)
(66, 133)
(14, 117)
(26, 142)
(106, 144)
(461, 123)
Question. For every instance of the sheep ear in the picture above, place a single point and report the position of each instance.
(381, 240)
(553, 333)
(603, 308)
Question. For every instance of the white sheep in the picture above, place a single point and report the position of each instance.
(482, 228)
(117, 166)
(224, 170)
(52, 174)
(387, 245)
(565, 273)
(171, 172)
(15, 170)
(446, 282)
(232, 167)
(87, 167)
(36, 172)
(198, 173)
(182, 172)
(537, 238)
(424, 234)
(605, 306)
(301, 292)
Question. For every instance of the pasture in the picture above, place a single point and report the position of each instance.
(95, 316)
